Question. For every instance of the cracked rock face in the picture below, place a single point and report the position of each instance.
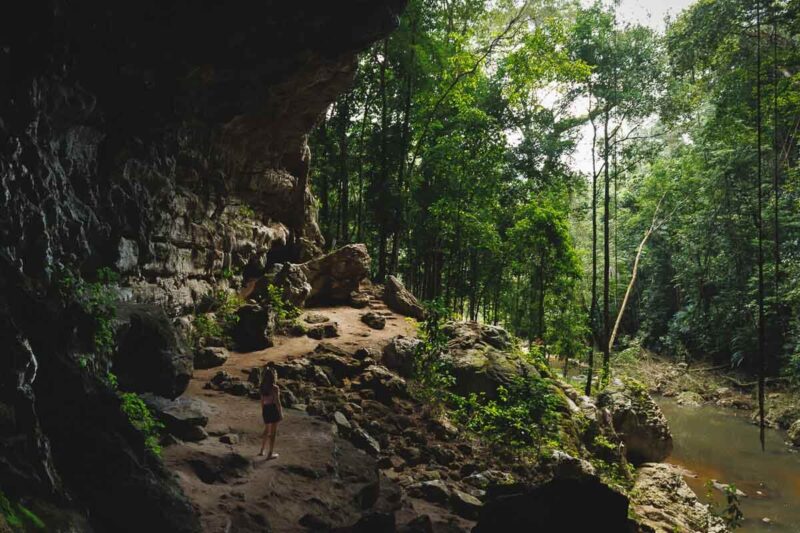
(168, 142)
(639, 422)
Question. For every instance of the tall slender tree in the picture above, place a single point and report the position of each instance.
(759, 222)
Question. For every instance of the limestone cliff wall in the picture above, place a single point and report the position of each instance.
(166, 139)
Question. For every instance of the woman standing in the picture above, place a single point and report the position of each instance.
(271, 410)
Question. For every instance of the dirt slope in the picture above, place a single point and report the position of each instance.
(317, 477)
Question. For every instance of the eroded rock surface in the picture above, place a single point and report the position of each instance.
(150, 355)
(400, 299)
(482, 358)
(170, 146)
(552, 507)
(335, 276)
(639, 422)
(664, 502)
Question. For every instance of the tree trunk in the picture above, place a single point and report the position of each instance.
(593, 304)
(635, 270)
(344, 177)
(606, 255)
(384, 177)
(761, 340)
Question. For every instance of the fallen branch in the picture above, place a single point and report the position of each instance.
(653, 226)
(710, 368)
(749, 384)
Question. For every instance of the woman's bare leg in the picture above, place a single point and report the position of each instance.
(265, 438)
(273, 434)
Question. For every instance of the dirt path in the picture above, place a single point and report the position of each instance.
(317, 477)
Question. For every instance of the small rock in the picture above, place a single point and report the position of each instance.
(435, 491)
(465, 504)
(341, 421)
(477, 480)
(411, 454)
(325, 330)
(419, 524)
(364, 441)
(359, 300)
(374, 320)
(315, 318)
(230, 438)
(210, 357)
(443, 429)
(195, 434)
(567, 466)
(689, 399)
(394, 462)
(443, 456)
(363, 353)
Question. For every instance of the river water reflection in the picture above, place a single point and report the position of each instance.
(720, 444)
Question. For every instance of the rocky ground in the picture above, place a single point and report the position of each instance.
(357, 452)
(326, 461)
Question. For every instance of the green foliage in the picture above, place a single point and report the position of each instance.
(206, 326)
(219, 323)
(112, 380)
(730, 511)
(97, 301)
(432, 377)
(142, 419)
(283, 310)
(19, 516)
(524, 415)
(450, 158)
(245, 211)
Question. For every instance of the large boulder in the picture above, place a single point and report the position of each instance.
(562, 504)
(292, 281)
(664, 502)
(399, 353)
(150, 355)
(400, 299)
(254, 329)
(182, 417)
(639, 422)
(334, 276)
(481, 358)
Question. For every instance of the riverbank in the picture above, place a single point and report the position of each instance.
(712, 413)
(703, 384)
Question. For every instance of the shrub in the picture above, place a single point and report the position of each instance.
(142, 419)
(97, 302)
(18, 516)
(431, 373)
(221, 322)
(524, 415)
(283, 310)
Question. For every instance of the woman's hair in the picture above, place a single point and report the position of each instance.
(268, 380)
